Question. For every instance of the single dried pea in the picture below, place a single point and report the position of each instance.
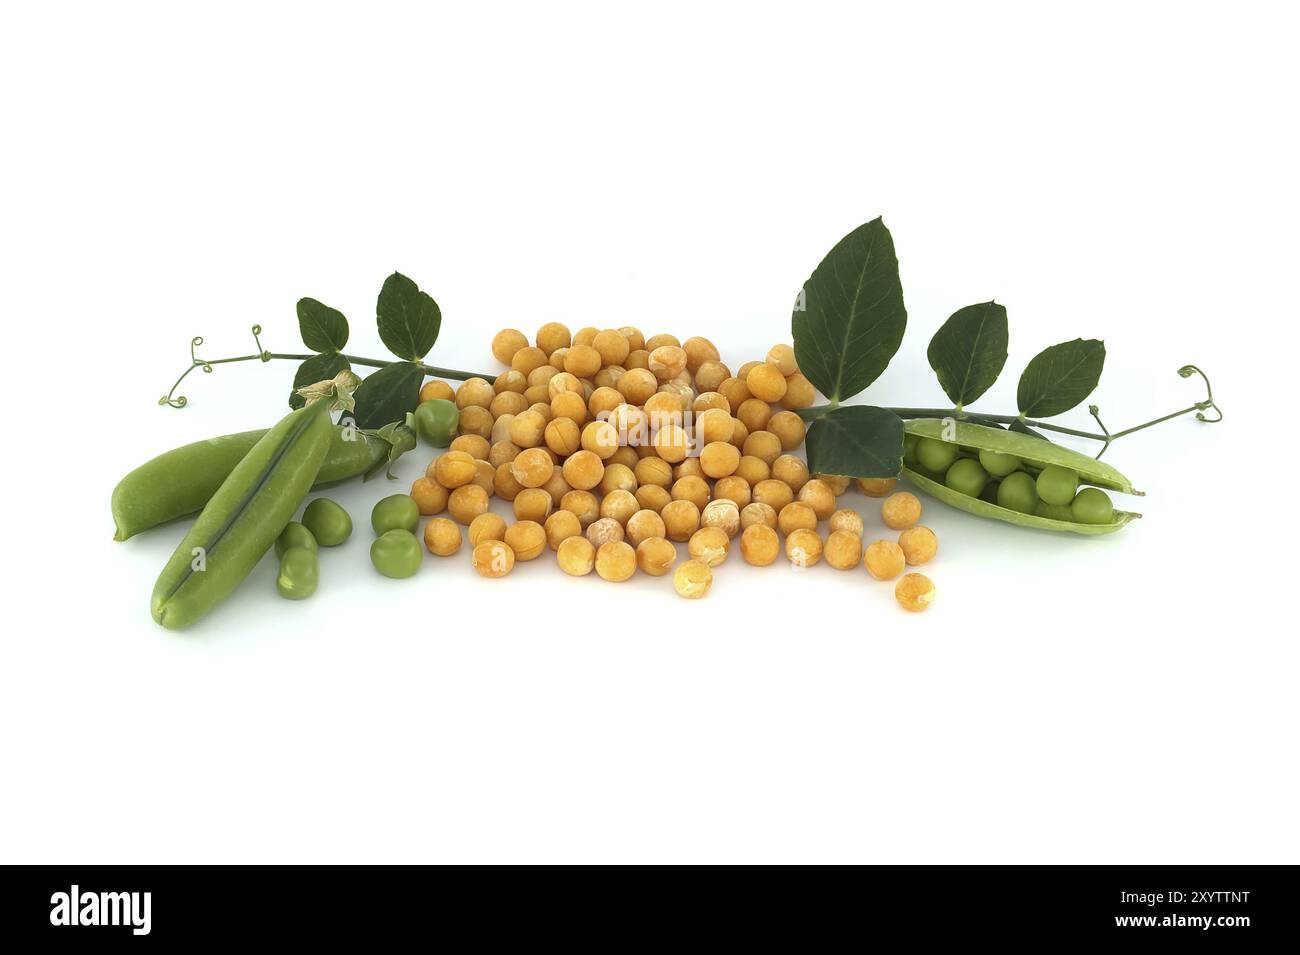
(843, 550)
(876, 487)
(820, 496)
(709, 544)
(788, 427)
(773, 492)
(486, 527)
(438, 389)
(642, 525)
(799, 392)
(553, 335)
(681, 519)
(723, 514)
(576, 556)
(914, 592)
(919, 544)
(442, 536)
(533, 504)
(656, 556)
(791, 470)
(560, 526)
(506, 343)
(766, 382)
(795, 516)
(429, 496)
(782, 356)
(493, 558)
(847, 519)
(803, 547)
(615, 561)
(583, 504)
(527, 539)
(467, 502)
(758, 513)
(693, 579)
(533, 468)
(719, 459)
(603, 531)
(454, 469)
(838, 483)
(900, 510)
(583, 470)
(884, 559)
(759, 545)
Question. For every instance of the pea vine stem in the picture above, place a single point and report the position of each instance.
(179, 401)
(1106, 437)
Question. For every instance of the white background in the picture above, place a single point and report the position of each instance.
(1119, 171)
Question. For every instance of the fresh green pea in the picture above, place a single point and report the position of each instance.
(999, 464)
(935, 455)
(395, 512)
(396, 553)
(1017, 493)
(294, 535)
(436, 420)
(1092, 505)
(1056, 485)
(328, 522)
(299, 573)
(910, 441)
(1054, 512)
(967, 477)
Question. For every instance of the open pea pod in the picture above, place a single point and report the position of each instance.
(1034, 452)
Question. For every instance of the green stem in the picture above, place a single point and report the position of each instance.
(179, 401)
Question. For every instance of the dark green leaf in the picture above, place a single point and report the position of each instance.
(408, 318)
(860, 441)
(314, 369)
(324, 329)
(968, 351)
(849, 319)
(388, 394)
(1060, 377)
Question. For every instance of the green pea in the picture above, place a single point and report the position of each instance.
(910, 441)
(328, 522)
(936, 455)
(437, 420)
(1054, 512)
(1056, 485)
(395, 512)
(999, 464)
(1092, 506)
(396, 553)
(294, 535)
(1017, 493)
(299, 573)
(966, 477)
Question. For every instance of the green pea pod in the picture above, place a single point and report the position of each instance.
(243, 518)
(1034, 452)
(183, 480)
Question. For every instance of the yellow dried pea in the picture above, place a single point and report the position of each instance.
(719, 459)
(429, 496)
(475, 420)
(474, 445)
(487, 527)
(796, 516)
(604, 530)
(583, 470)
(754, 414)
(619, 505)
(557, 487)
(692, 488)
(843, 550)
(582, 504)
(612, 345)
(884, 559)
(553, 335)
(582, 361)
(791, 470)
(576, 556)
(653, 471)
(533, 504)
(453, 469)
(710, 375)
(759, 545)
(753, 469)
(914, 592)
(442, 536)
(667, 361)
(758, 513)
(560, 526)
(615, 561)
(601, 439)
(467, 502)
(504, 484)
(763, 445)
(900, 510)
(775, 493)
(820, 496)
(570, 405)
(656, 556)
(692, 579)
(681, 519)
(709, 544)
(714, 425)
(512, 381)
(563, 436)
(533, 468)
(637, 385)
(585, 335)
(723, 514)
(799, 393)
(671, 443)
(847, 519)
(652, 497)
(789, 429)
(876, 487)
(437, 389)
(734, 489)
(643, 525)
(493, 558)
(485, 476)
(506, 343)
(782, 357)
(506, 403)
(474, 393)
(766, 382)
(803, 547)
(527, 539)
(919, 544)
(698, 351)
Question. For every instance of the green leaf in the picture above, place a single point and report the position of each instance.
(314, 369)
(968, 351)
(849, 319)
(388, 394)
(1060, 377)
(408, 318)
(324, 329)
(859, 441)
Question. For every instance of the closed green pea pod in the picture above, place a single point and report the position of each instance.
(299, 573)
(243, 518)
(183, 480)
